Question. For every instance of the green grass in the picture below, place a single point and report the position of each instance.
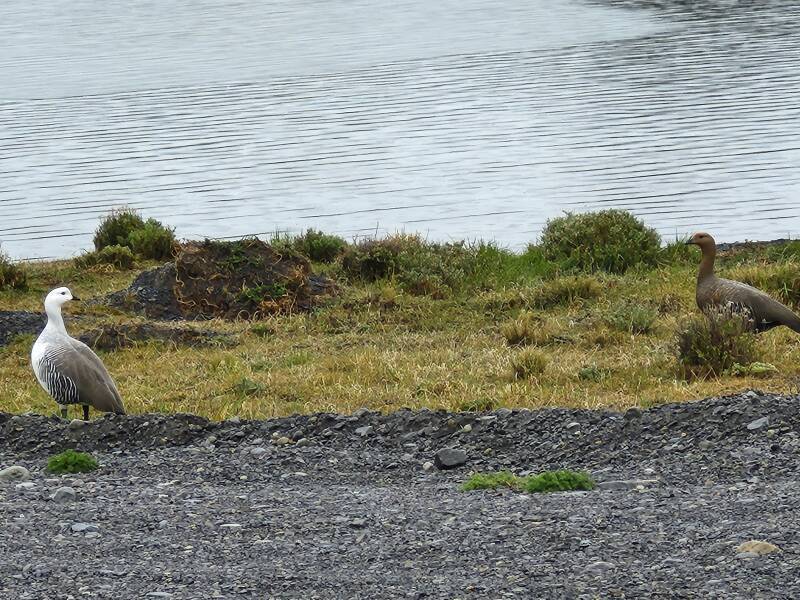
(71, 461)
(385, 344)
(548, 481)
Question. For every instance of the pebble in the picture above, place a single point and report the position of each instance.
(364, 431)
(63, 495)
(599, 567)
(84, 528)
(467, 428)
(77, 424)
(758, 423)
(450, 458)
(427, 466)
(14, 473)
(282, 441)
(25, 485)
(258, 451)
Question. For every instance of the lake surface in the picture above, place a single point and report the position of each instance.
(468, 119)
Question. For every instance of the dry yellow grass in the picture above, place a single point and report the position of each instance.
(384, 350)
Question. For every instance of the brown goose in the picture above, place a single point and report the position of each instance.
(715, 292)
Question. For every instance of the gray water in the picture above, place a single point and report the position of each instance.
(469, 119)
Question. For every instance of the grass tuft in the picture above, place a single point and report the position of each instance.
(632, 317)
(527, 363)
(119, 257)
(71, 461)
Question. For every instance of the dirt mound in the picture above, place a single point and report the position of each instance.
(114, 337)
(245, 279)
(19, 322)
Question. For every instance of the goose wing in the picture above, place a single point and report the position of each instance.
(76, 375)
(764, 309)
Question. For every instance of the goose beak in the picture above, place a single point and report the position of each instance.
(76, 298)
(689, 242)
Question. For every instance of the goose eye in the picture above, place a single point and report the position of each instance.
(63, 293)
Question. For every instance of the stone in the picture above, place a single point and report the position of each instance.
(427, 466)
(757, 547)
(84, 528)
(450, 458)
(758, 423)
(77, 424)
(630, 484)
(14, 473)
(358, 523)
(64, 495)
(572, 425)
(599, 567)
(158, 595)
(282, 441)
(467, 428)
(258, 451)
(364, 431)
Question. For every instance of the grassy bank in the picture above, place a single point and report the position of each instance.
(455, 327)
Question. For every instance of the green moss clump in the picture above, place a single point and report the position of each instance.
(491, 481)
(549, 481)
(12, 276)
(566, 290)
(558, 481)
(608, 240)
(120, 257)
(71, 461)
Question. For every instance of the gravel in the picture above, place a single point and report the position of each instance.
(695, 504)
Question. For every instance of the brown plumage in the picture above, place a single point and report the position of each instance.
(716, 292)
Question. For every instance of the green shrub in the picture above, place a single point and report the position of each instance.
(115, 229)
(153, 240)
(711, 344)
(527, 363)
(120, 257)
(12, 276)
(124, 227)
(71, 461)
(558, 481)
(318, 246)
(632, 317)
(609, 240)
(566, 290)
(491, 481)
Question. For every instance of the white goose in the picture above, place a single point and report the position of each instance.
(68, 369)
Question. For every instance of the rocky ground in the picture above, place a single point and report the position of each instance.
(369, 505)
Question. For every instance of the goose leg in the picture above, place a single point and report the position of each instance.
(63, 408)
(85, 412)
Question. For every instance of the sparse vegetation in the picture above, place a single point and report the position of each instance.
(548, 481)
(71, 461)
(318, 246)
(712, 344)
(608, 240)
(566, 290)
(12, 276)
